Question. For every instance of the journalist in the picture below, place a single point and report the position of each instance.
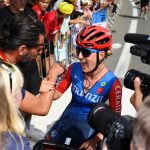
(118, 130)
(127, 132)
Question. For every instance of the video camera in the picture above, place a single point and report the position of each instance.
(116, 129)
(141, 49)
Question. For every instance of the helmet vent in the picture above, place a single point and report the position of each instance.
(88, 44)
(96, 35)
(81, 38)
(89, 33)
(103, 41)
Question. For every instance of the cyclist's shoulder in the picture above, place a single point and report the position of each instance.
(110, 74)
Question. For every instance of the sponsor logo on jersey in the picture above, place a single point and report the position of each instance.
(53, 134)
(103, 84)
(100, 90)
(89, 96)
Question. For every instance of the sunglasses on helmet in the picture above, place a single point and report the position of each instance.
(86, 52)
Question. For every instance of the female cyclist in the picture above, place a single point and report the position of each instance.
(92, 83)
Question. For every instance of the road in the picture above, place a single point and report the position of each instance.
(121, 60)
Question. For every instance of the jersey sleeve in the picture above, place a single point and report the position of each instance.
(65, 83)
(115, 96)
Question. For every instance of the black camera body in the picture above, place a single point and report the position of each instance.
(116, 129)
(141, 49)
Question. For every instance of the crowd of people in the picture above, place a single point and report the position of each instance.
(26, 28)
(143, 8)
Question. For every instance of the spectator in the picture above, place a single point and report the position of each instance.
(104, 3)
(61, 49)
(86, 10)
(113, 8)
(53, 21)
(95, 5)
(40, 7)
(4, 3)
(28, 69)
(143, 8)
(20, 40)
(11, 124)
(61, 46)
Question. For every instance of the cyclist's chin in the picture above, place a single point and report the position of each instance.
(85, 71)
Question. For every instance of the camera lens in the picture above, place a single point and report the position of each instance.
(129, 78)
(145, 81)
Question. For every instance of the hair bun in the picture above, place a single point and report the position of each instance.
(109, 52)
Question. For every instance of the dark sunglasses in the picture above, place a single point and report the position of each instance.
(9, 68)
(86, 52)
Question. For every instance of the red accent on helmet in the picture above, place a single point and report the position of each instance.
(95, 37)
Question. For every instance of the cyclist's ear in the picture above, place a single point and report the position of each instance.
(102, 55)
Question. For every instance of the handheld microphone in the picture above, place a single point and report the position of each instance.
(137, 38)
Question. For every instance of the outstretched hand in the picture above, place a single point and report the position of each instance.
(49, 82)
(56, 70)
(136, 98)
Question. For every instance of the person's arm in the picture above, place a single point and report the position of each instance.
(78, 20)
(64, 84)
(40, 105)
(61, 87)
(62, 41)
(136, 98)
(37, 105)
(104, 4)
(92, 143)
(115, 96)
(56, 38)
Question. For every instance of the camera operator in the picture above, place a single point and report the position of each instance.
(117, 130)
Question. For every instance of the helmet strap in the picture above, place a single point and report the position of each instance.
(98, 62)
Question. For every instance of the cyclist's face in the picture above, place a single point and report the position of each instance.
(43, 4)
(89, 63)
